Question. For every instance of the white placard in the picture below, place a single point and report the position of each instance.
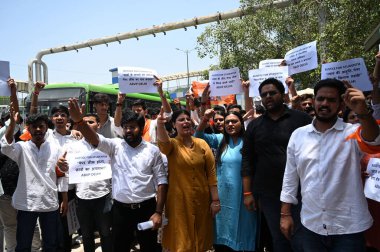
(136, 80)
(72, 218)
(352, 70)
(225, 82)
(256, 76)
(270, 63)
(372, 184)
(88, 166)
(302, 58)
(4, 76)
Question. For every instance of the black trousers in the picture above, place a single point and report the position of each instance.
(124, 226)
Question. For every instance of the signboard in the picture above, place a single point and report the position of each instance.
(270, 63)
(352, 70)
(302, 58)
(225, 82)
(136, 80)
(4, 76)
(256, 76)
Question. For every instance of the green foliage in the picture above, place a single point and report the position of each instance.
(339, 26)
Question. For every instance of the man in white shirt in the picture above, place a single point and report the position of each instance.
(93, 199)
(138, 176)
(36, 193)
(327, 165)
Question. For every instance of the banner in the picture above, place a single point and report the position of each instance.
(270, 63)
(225, 82)
(197, 87)
(372, 184)
(256, 76)
(4, 76)
(221, 100)
(302, 58)
(87, 166)
(352, 70)
(136, 80)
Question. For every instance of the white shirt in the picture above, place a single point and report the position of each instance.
(328, 168)
(136, 172)
(37, 181)
(90, 190)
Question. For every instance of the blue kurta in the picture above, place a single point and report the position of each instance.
(234, 226)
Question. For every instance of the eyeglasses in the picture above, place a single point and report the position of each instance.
(270, 93)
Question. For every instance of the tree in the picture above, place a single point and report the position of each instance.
(339, 26)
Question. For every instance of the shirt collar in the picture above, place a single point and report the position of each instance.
(339, 125)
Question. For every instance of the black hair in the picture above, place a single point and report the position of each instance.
(178, 113)
(60, 108)
(260, 109)
(100, 98)
(278, 84)
(97, 119)
(33, 119)
(226, 137)
(304, 97)
(219, 108)
(332, 83)
(154, 111)
(129, 116)
(139, 102)
(232, 106)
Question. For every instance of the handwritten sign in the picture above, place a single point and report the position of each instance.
(88, 166)
(4, 76)
(302, 58)
(270, 63)
(372, 184)
(136, 80)
(225, 82)
(352, 70)
(72, 218)
(256, 76)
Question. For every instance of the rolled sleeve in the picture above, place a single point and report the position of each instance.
(159, 171)
(166, 147)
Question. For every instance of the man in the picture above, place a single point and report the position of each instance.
(36, 192)
(327, 165)
(107, 125)
(264, 156)
(137, 169)
(93, 199)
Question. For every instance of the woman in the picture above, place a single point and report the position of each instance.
(235, 226)
(192, 189)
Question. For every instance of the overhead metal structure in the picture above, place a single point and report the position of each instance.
(41, 69)
(373, 39)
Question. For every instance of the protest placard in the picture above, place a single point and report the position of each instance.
(352, 70)
(225, 82)
(87, 166)
(72, 218)
(256, 76)
(270, 63)
(302, 58)
(372, 184)
(136, 80)
(4, 76)
(221, 100)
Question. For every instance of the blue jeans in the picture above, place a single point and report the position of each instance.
(313, 242)
(95, 214)
(271, 208)
(26, 223)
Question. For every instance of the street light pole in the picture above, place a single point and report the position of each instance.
(187, 64)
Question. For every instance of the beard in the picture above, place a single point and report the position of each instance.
(330, 119)
(133, 140)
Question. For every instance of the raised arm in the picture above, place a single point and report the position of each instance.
(164, 101)
(10, 130)
(162, 135)
(77, 117)
(205, 99)
(119, 109)
(247, 100)
(34, 103)
(376, 71)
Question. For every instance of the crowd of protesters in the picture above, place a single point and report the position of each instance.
(285, 175)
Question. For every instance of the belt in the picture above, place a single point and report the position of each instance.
(135, 205)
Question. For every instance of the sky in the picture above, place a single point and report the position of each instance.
(30, 26)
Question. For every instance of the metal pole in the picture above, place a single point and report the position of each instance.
(187, 64)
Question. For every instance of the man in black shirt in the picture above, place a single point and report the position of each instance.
(264, 157)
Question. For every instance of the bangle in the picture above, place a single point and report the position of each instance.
(36, 92)
(158, 212)
(119, 104)
(215, 205)
(247, 193)
(216, 200)
(285, 214)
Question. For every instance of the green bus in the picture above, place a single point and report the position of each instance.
(54, 95)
